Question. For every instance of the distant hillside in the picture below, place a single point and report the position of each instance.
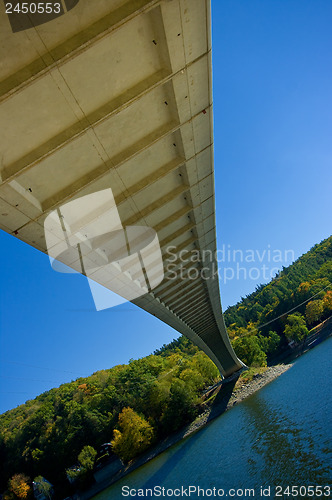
(309, 274)
(300, 294)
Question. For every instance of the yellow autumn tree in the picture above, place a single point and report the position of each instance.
(134, 436)
(327, 302)
(19, 485)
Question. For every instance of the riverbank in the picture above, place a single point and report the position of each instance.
(219, 399)
(242, 390)
(279, 436)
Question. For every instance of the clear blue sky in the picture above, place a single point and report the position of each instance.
(273, 158)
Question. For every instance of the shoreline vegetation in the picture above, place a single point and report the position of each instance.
(226, 396)
(157, 400)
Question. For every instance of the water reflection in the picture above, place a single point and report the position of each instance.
(282, 451)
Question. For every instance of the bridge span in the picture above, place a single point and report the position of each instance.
(111, 101)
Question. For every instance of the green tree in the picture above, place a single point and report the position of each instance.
(249, 350)
(134, 436)
(296, 328)
(203, 365)
(158, 397)
(180, 408)
(44, 486)
(270, 343)
(87, 457)
(192, 379)
(314, 311)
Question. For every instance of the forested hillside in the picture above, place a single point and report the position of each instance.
(285, 309)
(135, 405)
(142, 401)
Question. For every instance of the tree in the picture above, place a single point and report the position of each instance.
(135, 435)
(248, 349)
(19, 485)
(269, 344)
(192, 379)
(44, 486)
(87, 457)
(158, 398)
(314, 311)
(180, 407)
(296, 328)
(327, 302)
(204, 366)
(273, 342)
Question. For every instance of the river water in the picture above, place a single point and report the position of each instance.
(280, 436)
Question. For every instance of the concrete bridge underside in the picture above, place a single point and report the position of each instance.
(118, 94)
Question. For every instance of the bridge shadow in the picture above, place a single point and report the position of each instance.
(222, 398)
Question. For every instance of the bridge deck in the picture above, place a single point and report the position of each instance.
(117, 94)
